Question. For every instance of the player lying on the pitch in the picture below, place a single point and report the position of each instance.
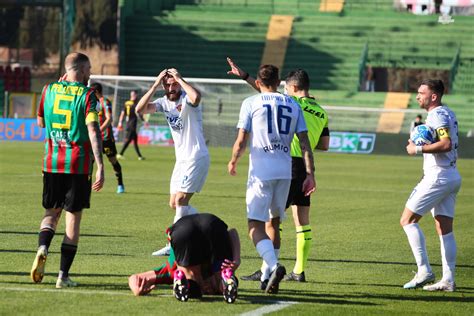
(203, 259)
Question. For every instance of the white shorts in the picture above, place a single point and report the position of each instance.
(267, 199)
(435, 195)
(189, 176)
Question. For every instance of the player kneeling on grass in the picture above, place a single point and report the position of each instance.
(203, 259)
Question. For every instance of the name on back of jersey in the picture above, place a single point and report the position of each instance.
(279, 98)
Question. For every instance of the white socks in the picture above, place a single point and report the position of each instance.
(266, 271)
(184, 210)
(416, 239)
(267, 252)
(448, 256)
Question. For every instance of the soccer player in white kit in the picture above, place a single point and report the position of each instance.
(180, 106)
(268, 121)
(436, 192)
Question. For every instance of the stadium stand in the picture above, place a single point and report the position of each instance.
(194, 42)
(333, 47)
(276, 43)
(17, 79)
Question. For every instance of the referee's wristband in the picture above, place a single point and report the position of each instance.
(246, 76)
(419, 150)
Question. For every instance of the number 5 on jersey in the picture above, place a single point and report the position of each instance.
(66, 113)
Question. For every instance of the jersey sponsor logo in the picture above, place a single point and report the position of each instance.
(314, 112)
(276, 147)
(60, 136)
(175, 122)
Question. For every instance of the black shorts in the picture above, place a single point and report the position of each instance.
(109, 148)
(131, 134)
(298, 175)
(70, 192)
(200, 239)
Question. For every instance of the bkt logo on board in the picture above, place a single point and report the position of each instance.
(356, 143)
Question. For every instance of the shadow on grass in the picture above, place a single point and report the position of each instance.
(91, 275)
(312, 297)
(363, 262)
(307, 298)
(57, 252)
(62, 234)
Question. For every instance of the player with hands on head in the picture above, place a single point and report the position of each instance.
(181, 107)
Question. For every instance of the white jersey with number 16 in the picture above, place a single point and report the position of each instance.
(272, 119)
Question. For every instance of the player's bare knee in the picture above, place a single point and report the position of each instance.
(181, 199)
(444, 225)
(409, 217)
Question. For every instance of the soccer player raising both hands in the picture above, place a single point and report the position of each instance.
(180, 105)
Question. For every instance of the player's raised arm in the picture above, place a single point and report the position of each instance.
(144, 106)
(237, 71)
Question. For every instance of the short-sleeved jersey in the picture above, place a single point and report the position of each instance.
(434, 165)
(316, 120)
(185, 122)
(130, 114)
(272, 119)
(105, 106)
(65, 107)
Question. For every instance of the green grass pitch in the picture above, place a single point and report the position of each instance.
(359, 261)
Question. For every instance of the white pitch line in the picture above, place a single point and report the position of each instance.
(72, 291)
(278, 305)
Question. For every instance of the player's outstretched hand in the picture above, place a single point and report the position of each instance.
(99, 180)
(139, 285)
(234, 69)
(411, 148)
(309, 185)
(231, 168)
